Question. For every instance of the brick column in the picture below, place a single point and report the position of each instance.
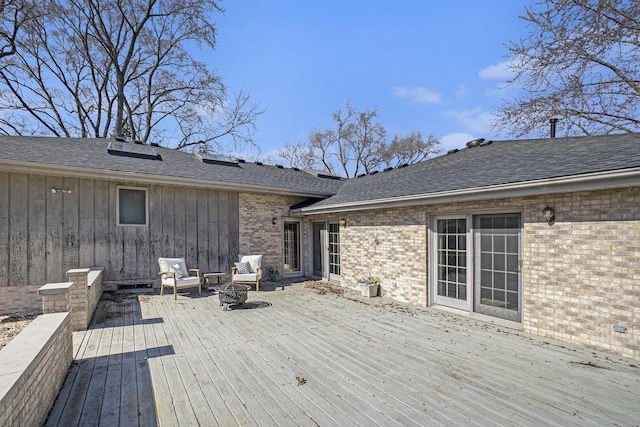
(56, 297)
(79, 298)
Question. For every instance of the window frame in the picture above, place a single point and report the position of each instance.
(146, 205)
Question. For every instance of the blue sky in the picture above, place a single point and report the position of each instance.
(430, 66)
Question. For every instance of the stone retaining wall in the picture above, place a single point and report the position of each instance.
(79, 296)
(33, 367)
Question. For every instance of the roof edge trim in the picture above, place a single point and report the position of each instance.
(592, 181)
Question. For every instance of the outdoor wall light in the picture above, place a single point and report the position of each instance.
(343, 222)
(274, 220)
(549, 214)
(60, 190)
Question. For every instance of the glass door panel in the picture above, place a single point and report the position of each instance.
(291, 247)
(452, 287)
(334, 251)
(320, 247)
(497, 265)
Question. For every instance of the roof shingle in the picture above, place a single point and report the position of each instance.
(91, 154)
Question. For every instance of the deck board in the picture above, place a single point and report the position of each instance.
(162, 362)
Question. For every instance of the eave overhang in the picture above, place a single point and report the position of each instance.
(47, 169)
(583, 182)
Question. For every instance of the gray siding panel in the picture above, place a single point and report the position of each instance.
(18, 228)
(191, 231)
(87, 224)
(156, 197)
(36, 251)
(4, 228)
(70, 226)
(44, 234)
(53, 233)
(102, 231)
(214, 231)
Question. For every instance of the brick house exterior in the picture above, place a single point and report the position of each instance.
(422, 229)
(578, 275)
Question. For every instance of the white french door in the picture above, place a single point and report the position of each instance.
(450, 272)
(497, 280)
(326, 250)
(475, 264)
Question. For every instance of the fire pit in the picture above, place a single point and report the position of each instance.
(232, 294)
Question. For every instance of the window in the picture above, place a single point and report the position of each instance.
(291, 246)
(132, 206)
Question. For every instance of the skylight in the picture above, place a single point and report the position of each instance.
(217, 159)
(132, 150)
(322, 174)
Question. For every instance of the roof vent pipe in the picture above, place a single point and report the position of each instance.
(552, 132)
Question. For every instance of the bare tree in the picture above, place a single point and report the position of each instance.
(579, 63)
(92, 68)
(297, 155)
(357, 145)
(13, 14)
(351, 147)
(408, 149)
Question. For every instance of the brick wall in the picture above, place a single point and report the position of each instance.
(258, 235)
(33, 367)
(15, 299)
(79, 296)
(580, 276)
(388, 244)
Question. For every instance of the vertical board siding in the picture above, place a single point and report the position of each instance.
(87, 219)
(180, 223)
(168, 220)
(53, 224)
(36, 251)
(201, 225)
(70, 226)
(156, 198)
(18, 227)
(44, 234)
(102, 222)
(213, 227)
(191, 228)
(4, 228)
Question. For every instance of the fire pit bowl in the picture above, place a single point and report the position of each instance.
(231, 294)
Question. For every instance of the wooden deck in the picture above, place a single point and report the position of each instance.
(296, 357)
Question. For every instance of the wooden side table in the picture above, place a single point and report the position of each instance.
(209, 276)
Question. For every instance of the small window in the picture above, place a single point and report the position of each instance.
(132, 206)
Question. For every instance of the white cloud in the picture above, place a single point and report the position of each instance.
(499, 71)
(419, 95)
(476, 120)
(462, 91)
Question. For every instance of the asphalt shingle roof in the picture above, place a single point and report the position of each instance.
(497, 163)
(91, 154)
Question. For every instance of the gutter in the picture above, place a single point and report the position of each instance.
(65, 171)
(585, 182)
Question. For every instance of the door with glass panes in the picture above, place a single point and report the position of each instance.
(326, 250)
(451, 262)
(476, 264)
(497, 279)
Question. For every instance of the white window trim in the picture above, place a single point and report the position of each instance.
(146, 207)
